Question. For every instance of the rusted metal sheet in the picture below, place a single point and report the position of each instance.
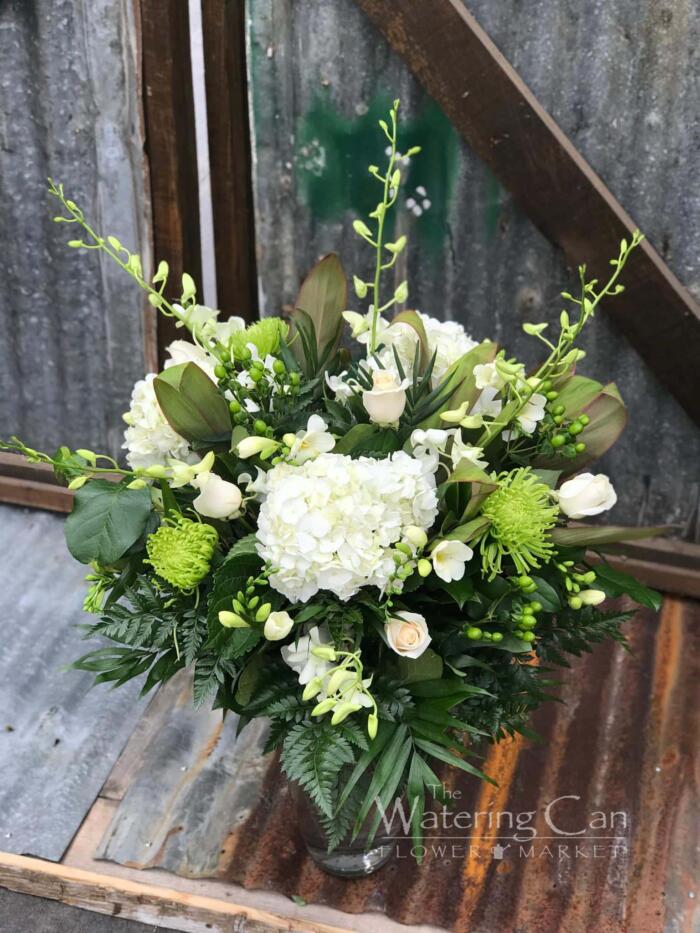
(58, 739)
(73, 329)
(598, 825)
(620, 83)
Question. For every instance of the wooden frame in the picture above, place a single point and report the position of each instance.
(502, 120)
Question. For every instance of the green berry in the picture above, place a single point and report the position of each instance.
(497, 636)
(558, 440)
(589, 577)
(474, 633)
(524, 581)
(580, 447)
(575, 428)
(487, 636)
(279, 367)
(220, 371)
(530, 589)
(240, 417)
(545, 385)
(551, 396)
(535, 606)
(559, 410)
(244, 354)
(528, 622)
(234, 406)
(528, 636)
(224, 354)
(255, 374)
(294, 378)
(558, 419)
(584, 419)
(259, 426)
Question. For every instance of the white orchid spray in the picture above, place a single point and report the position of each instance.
(371, 548)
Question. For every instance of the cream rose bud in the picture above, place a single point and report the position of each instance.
(278, 626)
(586, 495)
(449, 559)
(386, 400)
(217, 498)
(407, 634)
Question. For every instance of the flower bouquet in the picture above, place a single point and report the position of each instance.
(365, 537)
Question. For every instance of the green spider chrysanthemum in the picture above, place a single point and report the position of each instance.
(181, 552)
(265, 335)
(521, 512)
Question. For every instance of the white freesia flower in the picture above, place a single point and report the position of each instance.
(217, 498)
(407, 634)
(278, 626)
(149, 440)
(330, 524)
(428, 445)
(298, 655)
(256, 487)
(449, 559)
(586, 495)
(251, 446)
(532, 412)
(592, 597)
(386, 400)
(487, 376)
(312, 442)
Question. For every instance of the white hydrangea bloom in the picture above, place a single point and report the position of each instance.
(149, 439)
(330, 524)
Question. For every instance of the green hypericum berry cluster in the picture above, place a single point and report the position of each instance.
(557, 432)
(266, 385)
(475, 633)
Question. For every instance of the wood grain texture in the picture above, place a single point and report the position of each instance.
(58, 738)
(504, 123)
(171, 146)
(619, 81)
(623, 743)
(73, 332)
(223, 31)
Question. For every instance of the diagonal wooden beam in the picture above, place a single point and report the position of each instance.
(501, 119)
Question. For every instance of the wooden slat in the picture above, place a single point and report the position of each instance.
(503, 122)
(223, 33)
(171, 145)
(109, 894)
(35, 494)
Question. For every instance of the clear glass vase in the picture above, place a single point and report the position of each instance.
(352, 858)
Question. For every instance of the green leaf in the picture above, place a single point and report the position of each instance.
(384, 734)
(617, 583)
(546, 594)
(469, 531)
(597, 535)
(416, 798)
(249, 679)
(466, 472)
(107, 519)
(384, 771)
(427, 667)
(459, 590)
(359, 434)
(323, 296)
(436, 751)
(192, 405)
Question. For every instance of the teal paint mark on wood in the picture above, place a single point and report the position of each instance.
(333, 153)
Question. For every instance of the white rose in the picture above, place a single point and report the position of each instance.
(386, 400)
(586, 495)
(449, 558)
(278, 626)
(217, 498)
(407, 634)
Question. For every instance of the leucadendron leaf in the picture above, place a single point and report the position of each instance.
(323, 297)
(192, 405)
(596, 536)
(461, 376)
(107, 518)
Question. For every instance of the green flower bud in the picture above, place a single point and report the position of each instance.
(232, 620)
(325, 652)
(323, 707)
(424, 567)
(372, 725)
(79, 481)
(360, 286)
(312, 689)
(263, 612)
(342, 711)
(575, 602)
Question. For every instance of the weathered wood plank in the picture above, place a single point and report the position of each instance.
(618, 79)
(58, 739)
(223, 31)
(72, 333)
(171, 145)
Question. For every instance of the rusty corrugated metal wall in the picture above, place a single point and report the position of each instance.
(71, 326)
(620, 77)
